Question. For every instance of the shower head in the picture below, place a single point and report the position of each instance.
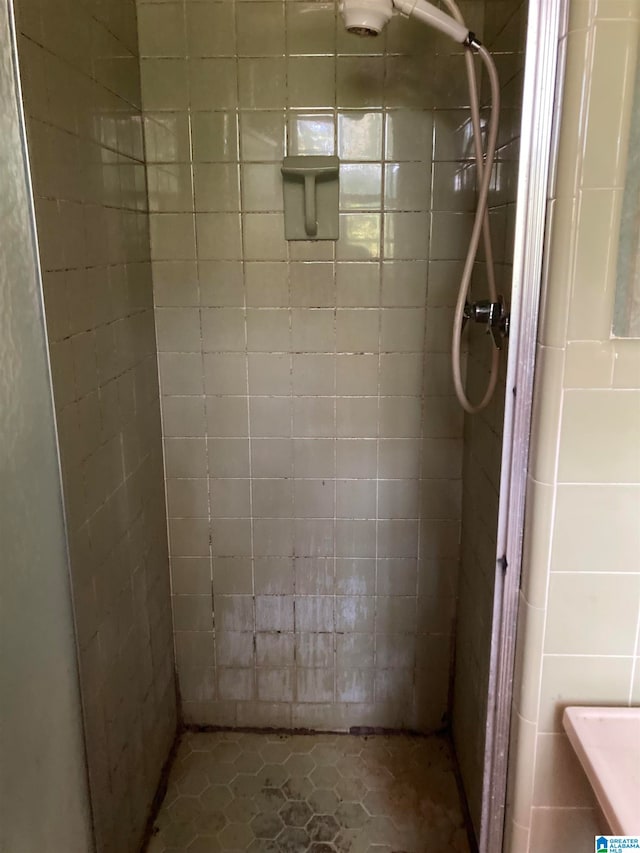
(369, 17)
(366, 17)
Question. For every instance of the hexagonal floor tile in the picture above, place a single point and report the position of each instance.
(209, 823)
(241, 809)
(231, 791)
(293, 840)
(325, 777)
(352, 768)
(273, 776)
(245, 785)
(248, 762)
(193, 784)
(216, 797)
(267, 825)
(351, 815)
(235, 836)
(221, 774)
(184, 809)
(178, 834)
(269, 800)
(351, 790)
(325, 753)
(299, 765)
(226, 752)
(323, 801)
(275, 753)
(205, 845)
(322, 827)
(295, 813)
(298, 788)
(262, 846)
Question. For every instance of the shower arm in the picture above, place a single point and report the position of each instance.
(434, 17)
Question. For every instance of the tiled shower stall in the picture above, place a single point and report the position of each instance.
(313, 447)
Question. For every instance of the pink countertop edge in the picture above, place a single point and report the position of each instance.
(607, 743)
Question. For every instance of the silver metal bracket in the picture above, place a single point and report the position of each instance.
(472, 42)
(492, 314)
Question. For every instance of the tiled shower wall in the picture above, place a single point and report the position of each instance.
(79, 68)
(313, 445)
(504, 35)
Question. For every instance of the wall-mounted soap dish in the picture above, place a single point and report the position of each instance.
(311, 190)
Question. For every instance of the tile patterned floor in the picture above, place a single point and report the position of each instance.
(269, 793)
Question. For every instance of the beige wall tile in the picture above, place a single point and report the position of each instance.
(581, 606)
(608, 414)
(567, 679)
(614, 511)
(559, 778)
(570, 828)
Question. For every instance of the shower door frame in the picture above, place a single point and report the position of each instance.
(543, 78)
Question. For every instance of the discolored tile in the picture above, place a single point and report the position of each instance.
(275, 753)
(325, 777)
(184, 809)
(241, 810)
(269, 800)
(348, 839)
(215, 798)
(267, 825)
(226, 752)
(192, 763)
(293, 840)
(378, 778)
(245, 785)
(323, 801)
(248, 762)
(351, 815)
(221, 774)
(205, 845)
(326, 754)
(297, 788)
(209, 823)
(300, 765)
(193, 784)
(273, 776)
(179, 834)
(351, 768)
(322, 827)
(260, 845)
(351, 790)
(295, 813)
(236, 836)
